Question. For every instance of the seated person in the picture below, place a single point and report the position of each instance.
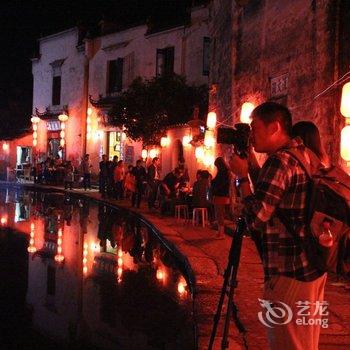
(169, 187)
(201, 190)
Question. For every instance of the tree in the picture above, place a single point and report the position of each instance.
(148, 107)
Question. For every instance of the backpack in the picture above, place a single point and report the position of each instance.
(328, 211)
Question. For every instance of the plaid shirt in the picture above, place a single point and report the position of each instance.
(283, 184)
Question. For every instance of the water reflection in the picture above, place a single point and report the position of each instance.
(96, 276)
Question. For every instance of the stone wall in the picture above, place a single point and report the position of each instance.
(221, 34)
(292, 45)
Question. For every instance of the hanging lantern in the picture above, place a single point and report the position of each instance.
(35, 119)
(209, 140)
(199, 153)
(181, 287)
(345, 101)
(211, 120)
(160, 274)
(62, 134)
(208, 159)
(345, 143)
(164, 141)
(89, 111)
(62, 142)
(144, 154)
(186, 140)
(246, 111)
(63, 117)
(5, 146)
(153, 153)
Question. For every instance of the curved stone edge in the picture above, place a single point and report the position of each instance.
(182, 259)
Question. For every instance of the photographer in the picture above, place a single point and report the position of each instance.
(281, 187)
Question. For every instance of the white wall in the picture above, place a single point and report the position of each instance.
(52, 48)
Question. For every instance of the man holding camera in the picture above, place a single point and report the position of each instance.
(281, 188)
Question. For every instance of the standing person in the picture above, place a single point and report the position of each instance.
(103, 175)
(86, 172)
(111, 183)
(281, 189)
(153, 181)
(119, 176)
(220, 191)
(68, 175)
(129, 183)
(140, 176)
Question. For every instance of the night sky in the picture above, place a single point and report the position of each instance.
(23, 22)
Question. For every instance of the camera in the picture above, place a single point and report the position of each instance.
(237, 136)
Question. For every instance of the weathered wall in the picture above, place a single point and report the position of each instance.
(220, 28)
(297, 40)
(61, 46)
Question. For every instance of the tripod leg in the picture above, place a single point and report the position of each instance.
(217, 316)
(231, 307)
(229, 280)
(224, 342)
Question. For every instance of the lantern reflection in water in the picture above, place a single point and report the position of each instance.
(59, 256)
(31, 247)
(85, 253)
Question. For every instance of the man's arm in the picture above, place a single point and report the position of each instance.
(271, 184)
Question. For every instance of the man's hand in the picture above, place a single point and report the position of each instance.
(239, 166)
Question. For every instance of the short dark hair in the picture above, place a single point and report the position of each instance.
(154, 159)
(269, 112)
(205, 174)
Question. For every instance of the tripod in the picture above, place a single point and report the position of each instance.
(230, 283)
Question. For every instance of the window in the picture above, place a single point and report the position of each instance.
(206, 55)
(115, 75)
(56, 90)
(128, 71)
(165, 61)
(56, 81)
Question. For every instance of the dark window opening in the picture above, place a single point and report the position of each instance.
(115, 75)
(56, 90)
(165, 62)
(206, 55)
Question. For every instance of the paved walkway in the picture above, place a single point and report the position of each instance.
(208, 259)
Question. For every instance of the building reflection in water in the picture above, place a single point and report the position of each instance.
(98, 276)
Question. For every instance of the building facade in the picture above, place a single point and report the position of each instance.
(76, 81)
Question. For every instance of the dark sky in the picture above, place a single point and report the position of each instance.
(23, 22)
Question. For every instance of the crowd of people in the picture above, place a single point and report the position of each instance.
(140, 182)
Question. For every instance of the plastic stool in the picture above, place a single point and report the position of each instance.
(181, 209)
(200, 213)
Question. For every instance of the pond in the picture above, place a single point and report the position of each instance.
(78, 274)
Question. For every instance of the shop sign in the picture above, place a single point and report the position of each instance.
(53, 125)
